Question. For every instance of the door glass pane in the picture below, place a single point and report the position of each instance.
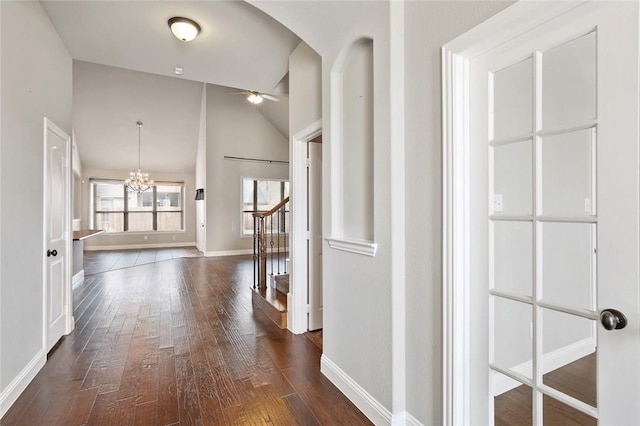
(513, 100)
(568, 264)
(512, 402)
(512, 341)
(141, 221)
(569, 355)
(557, 413)
(569, 83)
(512, 257)
(512, 178)
(567, 174)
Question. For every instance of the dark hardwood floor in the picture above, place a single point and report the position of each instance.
(577, 379)
(178, 343)
(96, 262)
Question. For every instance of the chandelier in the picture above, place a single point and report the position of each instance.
(138, 181)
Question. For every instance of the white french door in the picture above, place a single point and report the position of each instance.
(554, 221)
(57, 234)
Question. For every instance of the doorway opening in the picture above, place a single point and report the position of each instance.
(305, 298)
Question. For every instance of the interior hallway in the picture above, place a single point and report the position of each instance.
(178, 342)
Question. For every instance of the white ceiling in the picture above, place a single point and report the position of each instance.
(239, 47)
(108, 101)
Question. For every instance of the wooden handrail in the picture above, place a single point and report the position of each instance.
(260, 243)
(273, 210)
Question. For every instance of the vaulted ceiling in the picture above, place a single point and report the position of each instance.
(239, 47)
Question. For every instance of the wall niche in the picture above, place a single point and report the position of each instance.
(352, 87)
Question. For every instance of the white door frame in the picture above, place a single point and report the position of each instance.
(297, 297)
(67, 307)
(456, 55)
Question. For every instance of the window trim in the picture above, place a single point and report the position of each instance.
(255, 201)
(125, 212)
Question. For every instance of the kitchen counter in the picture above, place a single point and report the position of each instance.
(78, 251)
(83, 234)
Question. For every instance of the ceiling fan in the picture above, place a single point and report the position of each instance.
(255, 97)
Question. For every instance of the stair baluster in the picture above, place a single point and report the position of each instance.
(260, 250)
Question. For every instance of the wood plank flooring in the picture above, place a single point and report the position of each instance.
(178, 343)
(96, 262)
(577, 379)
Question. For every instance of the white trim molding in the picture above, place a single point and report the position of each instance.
(139, 246)
(398, 213)
(516, 19)
(10, 394)
(405, 419)
(412, 421)
(77, 279)
(221, 253)
(297, 297)
(372, 408)
(366, 248)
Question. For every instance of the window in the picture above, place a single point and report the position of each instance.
(262, 196)
(115, 209)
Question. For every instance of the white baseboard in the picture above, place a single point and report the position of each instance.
(10, 394)
(374, 410)
(228, 252)
(77, 279)
(412, 421)
(139, 246)
(290, 313)
(405, 419)
(550, 362)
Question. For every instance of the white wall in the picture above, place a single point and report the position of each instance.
(236, 128)
(107, 103)
(305, 88)
(358, 334)
(428, 26)
(76, 185)
(357, 289)
(355, 141)
(188, 237)
(36, 83)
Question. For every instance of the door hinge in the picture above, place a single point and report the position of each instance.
(308, 162)
(307, 308)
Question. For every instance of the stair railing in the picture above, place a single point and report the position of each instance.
(275, 222)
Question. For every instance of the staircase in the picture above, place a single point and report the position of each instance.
(270, 251)
(282, 283)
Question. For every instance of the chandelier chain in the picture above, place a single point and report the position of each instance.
(139, 181)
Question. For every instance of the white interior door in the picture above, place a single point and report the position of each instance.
(57, 205)
(554, 221)
(314, 212)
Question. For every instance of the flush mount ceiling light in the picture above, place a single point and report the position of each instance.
(184, 29)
